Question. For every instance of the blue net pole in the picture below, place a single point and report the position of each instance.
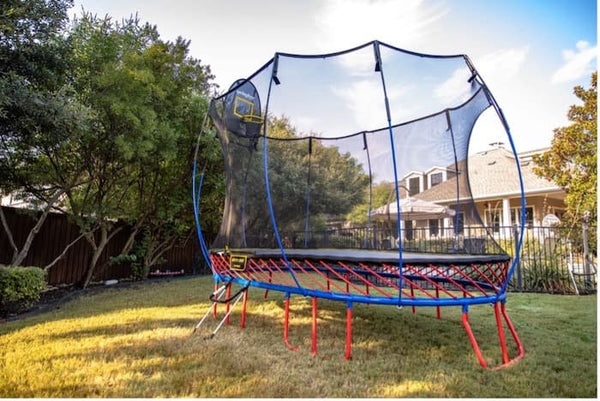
(196, 199)
(275, 80)
(379, 68)
(521, 185)
(457, 206)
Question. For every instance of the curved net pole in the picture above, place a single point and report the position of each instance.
(500, 114)
(308, 190)
(457, 206)
(196, 193)
(379, 68)
(366, 149)
(274, 79)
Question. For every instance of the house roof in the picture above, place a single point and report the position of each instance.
(492, 174)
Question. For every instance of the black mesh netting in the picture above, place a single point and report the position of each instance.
(322, 151)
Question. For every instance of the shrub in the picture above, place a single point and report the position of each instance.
(20, 287)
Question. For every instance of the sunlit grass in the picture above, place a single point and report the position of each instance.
(139, 342)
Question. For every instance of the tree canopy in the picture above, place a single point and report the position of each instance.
(146, 99)
(37, 113)
(572, 160)
(335, 180)
(99, 119)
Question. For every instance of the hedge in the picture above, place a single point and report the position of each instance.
(20, 288)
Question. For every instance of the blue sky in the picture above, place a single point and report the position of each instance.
(530, 53)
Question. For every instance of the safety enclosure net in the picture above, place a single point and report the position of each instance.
(349, 178)
(362, 149)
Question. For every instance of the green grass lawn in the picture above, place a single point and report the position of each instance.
(139, 342)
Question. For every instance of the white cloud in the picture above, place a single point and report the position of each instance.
(497, 67)
(578, 63)
(345, 24)
(454, 88)
(501, 65)
(364, 99)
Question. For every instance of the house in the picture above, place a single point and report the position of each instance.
(493, 186)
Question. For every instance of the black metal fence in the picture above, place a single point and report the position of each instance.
(552, 259)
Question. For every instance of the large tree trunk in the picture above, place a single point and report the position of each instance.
(8, 232)
(20, 255)
(98, 248)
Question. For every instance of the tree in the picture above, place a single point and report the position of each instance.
(336, 180)
(37, 111)
(572, 161)
(382, 194)
(146, 99)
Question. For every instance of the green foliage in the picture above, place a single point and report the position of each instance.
(146, 99)
(572, 160)
(37, 112)
(382, 194)
(20, 287)
(548, 276)
(106, 114)
(337, 180)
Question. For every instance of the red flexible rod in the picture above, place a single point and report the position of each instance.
(228, 304)
(465, 320)
(348, 354)
(244, 306)
(314, 326)
(501, 335)
(286, 325)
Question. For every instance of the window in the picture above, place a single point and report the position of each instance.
(414, 186)
(410, 235)
(434, 227)
(516, 216)
(493, 219)
(459, 223)
(436, 178)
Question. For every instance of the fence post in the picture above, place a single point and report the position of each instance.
(586, 266)
(515, 232)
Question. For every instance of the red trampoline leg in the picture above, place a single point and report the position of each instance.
(465, 320)
(438, 311)
(348, 354)
(513, 332)
(228, 304)
(500, 311)
(244, 306)
(412, 295)
(501, 335)
(314, 326)
(286, 324)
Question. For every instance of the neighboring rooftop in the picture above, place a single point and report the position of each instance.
(492, 174)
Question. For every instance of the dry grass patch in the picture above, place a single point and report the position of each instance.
(139, 342)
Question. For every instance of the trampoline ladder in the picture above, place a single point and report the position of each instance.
(216, 297)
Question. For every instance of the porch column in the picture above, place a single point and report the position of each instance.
(506, 218)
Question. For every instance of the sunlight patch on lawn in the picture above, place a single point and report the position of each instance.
(410, 388)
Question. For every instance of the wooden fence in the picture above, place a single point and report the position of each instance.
(549, 262)
(57, 232)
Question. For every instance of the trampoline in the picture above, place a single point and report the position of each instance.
(310, 144)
